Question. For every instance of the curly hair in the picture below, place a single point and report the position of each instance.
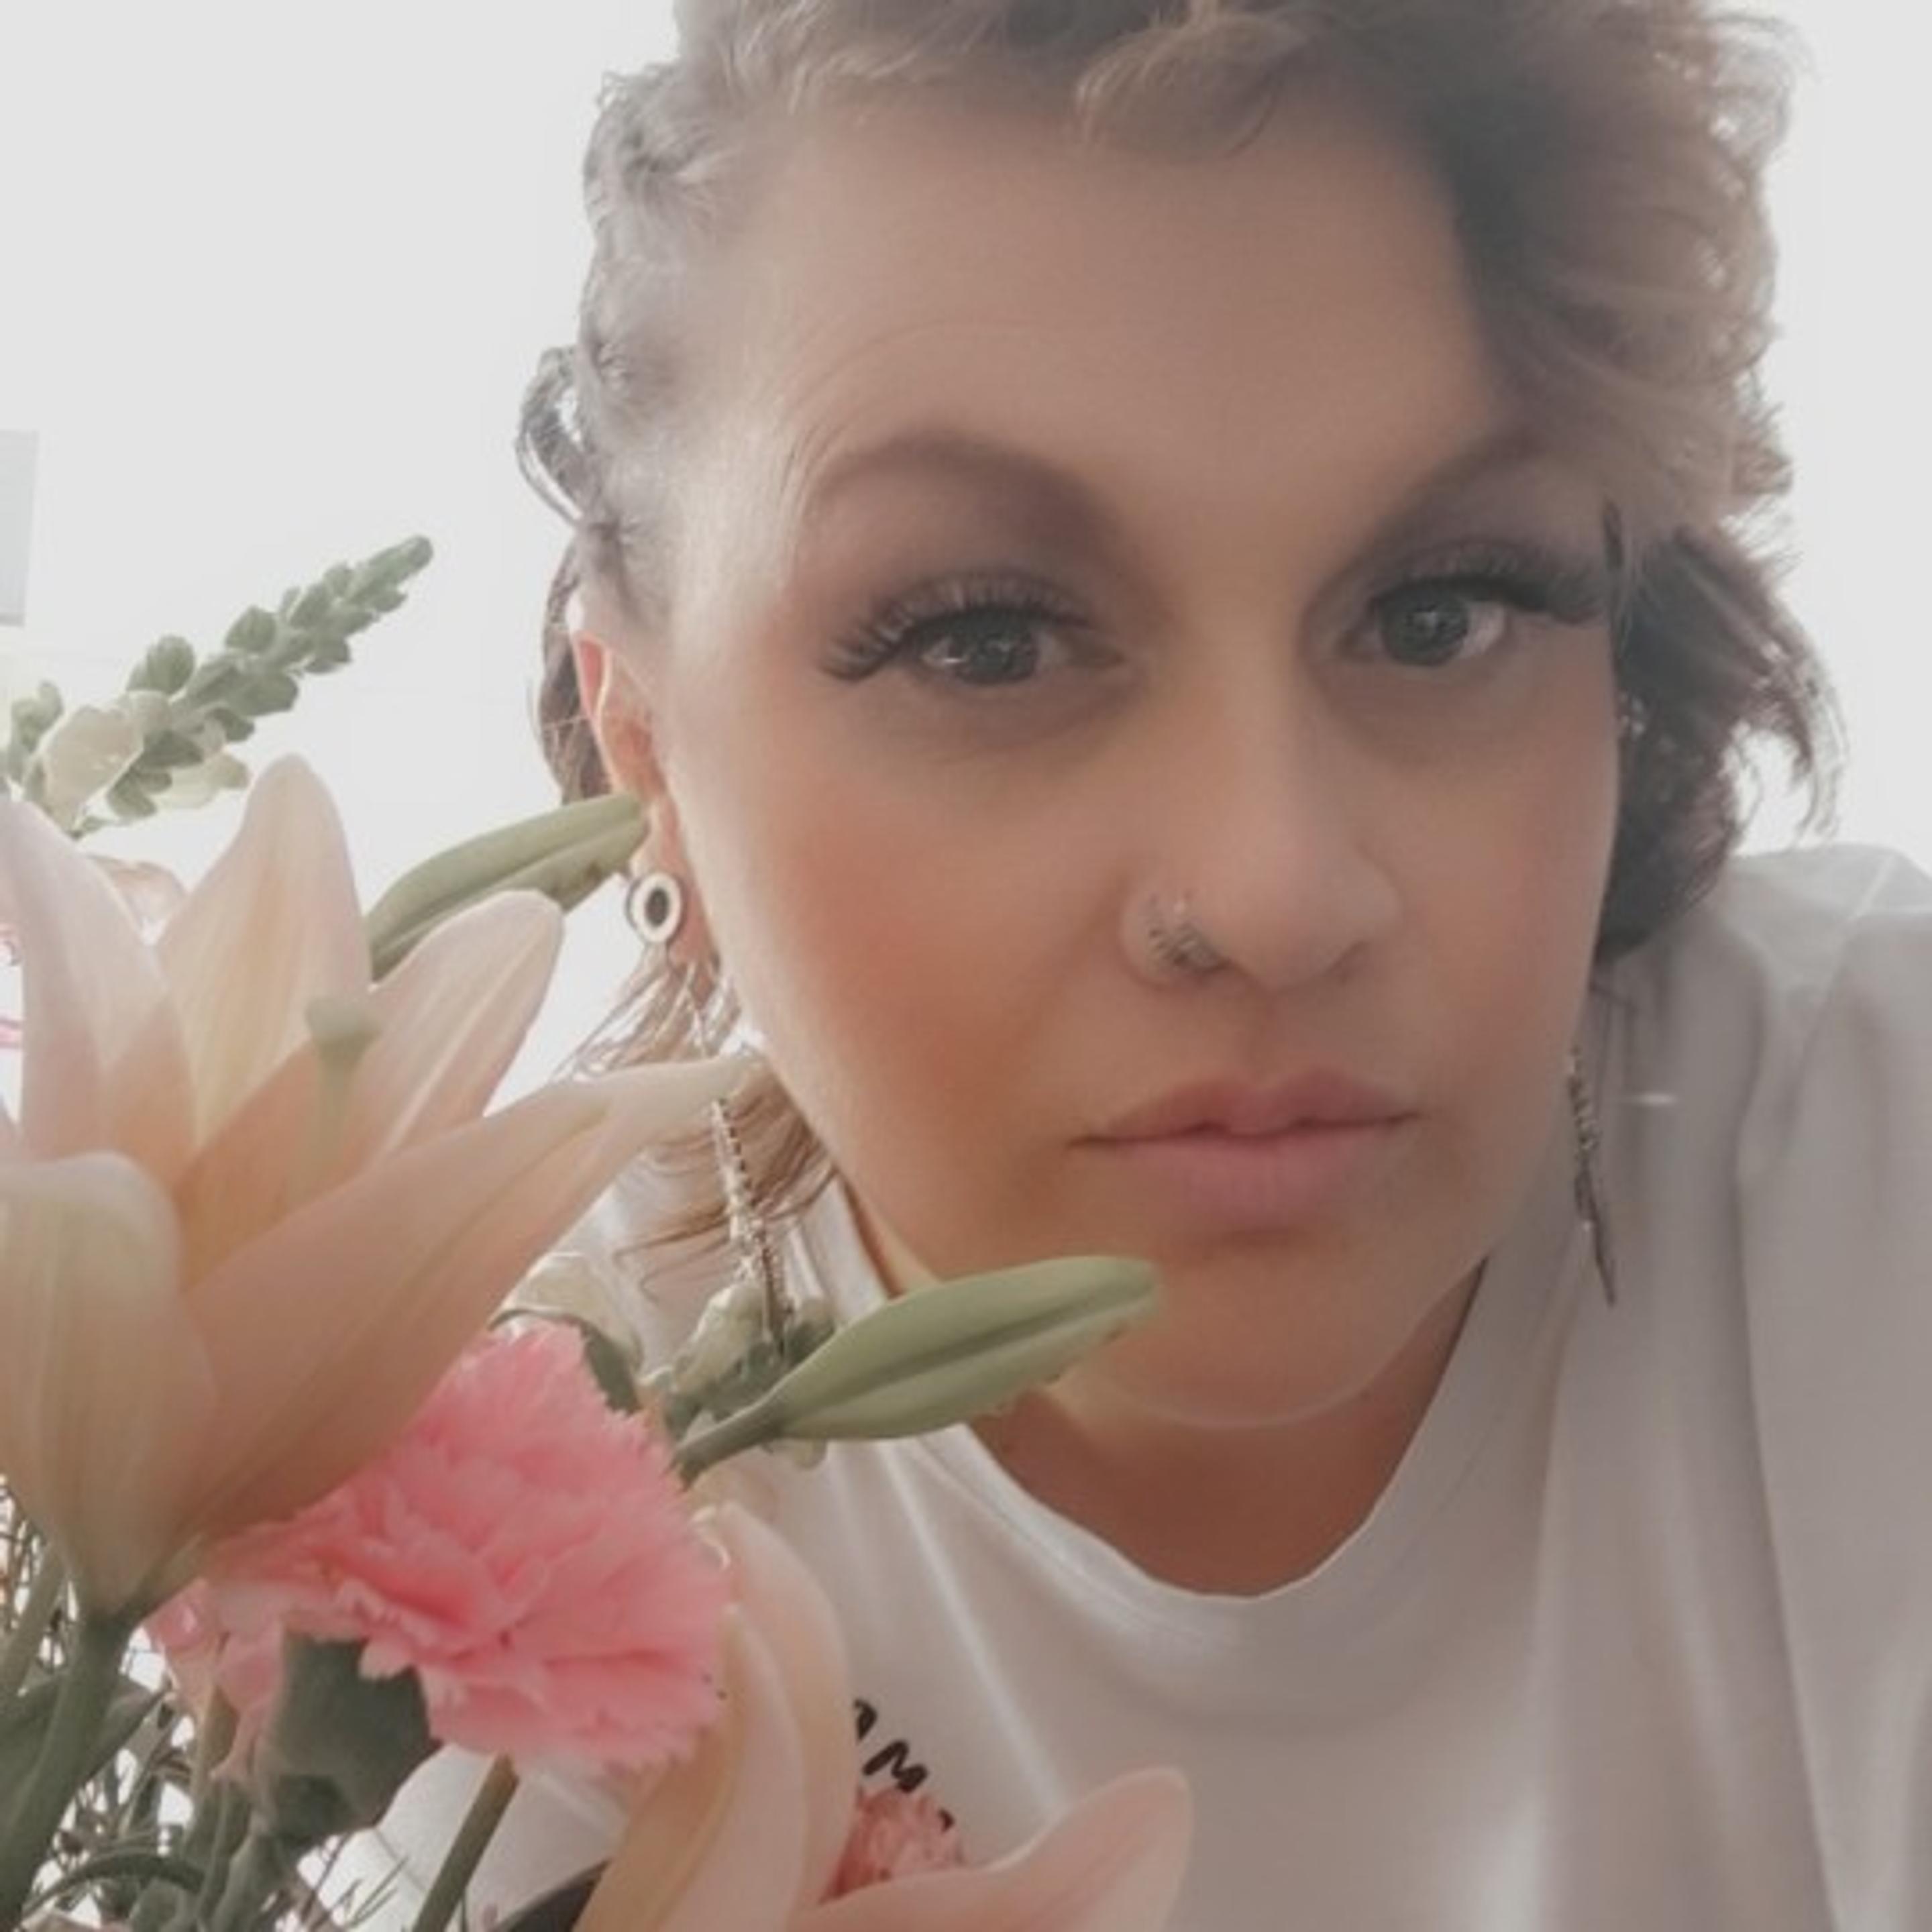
(1605, 160)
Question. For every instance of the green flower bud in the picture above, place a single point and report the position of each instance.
(565, 854)
(167, 667)
(251, 633)
(941, 1354)
(337, 1746)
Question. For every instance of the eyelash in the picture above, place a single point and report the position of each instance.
(1530, 579)
(899, 627)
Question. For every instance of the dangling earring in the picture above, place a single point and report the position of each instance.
(1589, 1142)
(654, 904)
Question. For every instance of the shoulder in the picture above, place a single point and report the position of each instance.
(1805, 977)
(1788, 923)
(1793, 1012)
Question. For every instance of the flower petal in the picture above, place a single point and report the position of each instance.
(82, 755)
(451, 1017)
(453, 1014)
(104, 1066)
(328, 1332)
(1113, 1864)
(104, 1389)
(281, 897)
(783, 1603)
(719, 1841)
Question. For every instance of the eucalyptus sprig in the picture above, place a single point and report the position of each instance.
(164, 741)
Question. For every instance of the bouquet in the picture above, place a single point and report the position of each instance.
(290, 1501)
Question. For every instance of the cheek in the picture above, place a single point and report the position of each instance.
(1507, 906)
(872, 943)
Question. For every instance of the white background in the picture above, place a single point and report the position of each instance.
(272, 277)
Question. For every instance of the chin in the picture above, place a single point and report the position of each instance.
(1245, 1381)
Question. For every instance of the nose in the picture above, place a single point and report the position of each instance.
(1262, 822)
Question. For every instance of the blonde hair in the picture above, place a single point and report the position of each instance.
(1606, 161)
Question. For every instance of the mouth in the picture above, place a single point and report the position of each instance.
(1241, 1159)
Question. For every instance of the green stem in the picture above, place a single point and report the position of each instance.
(221, 1821)
(37, 1613)
(93, 1673)
(705, 1450)
(254, 1879)
(459, 1865)
(214, 1738)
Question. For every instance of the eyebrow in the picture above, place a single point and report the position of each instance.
(1056, 499)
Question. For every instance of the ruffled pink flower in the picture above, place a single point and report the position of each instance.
(895, 1834)
(524, 1550)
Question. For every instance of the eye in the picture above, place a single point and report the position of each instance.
(1468, 607)
(965, 634)
(1428, 628)
(992, 645)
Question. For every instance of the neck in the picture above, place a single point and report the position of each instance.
(1285, 1496)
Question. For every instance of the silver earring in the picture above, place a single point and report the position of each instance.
(655, 903)
(1173, 944)
(1589, 1194)
(654, 906)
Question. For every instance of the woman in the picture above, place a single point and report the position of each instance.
(1175, 580)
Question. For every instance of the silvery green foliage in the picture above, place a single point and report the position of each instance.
(163, 742)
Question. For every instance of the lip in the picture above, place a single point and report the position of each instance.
(1316, 1100)
(1238, 1159)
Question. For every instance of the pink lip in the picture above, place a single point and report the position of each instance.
(1321, 1099)
(1249, 1159)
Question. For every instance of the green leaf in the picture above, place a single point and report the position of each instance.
(124, 1862)
(601, 1356)
(24, 1724)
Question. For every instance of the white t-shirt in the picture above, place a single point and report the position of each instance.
(1639, 1636)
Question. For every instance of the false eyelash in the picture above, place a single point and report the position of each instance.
(898, 626)
(1532, 578)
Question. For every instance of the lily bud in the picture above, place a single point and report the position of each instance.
(565, 854)
(941, 1354)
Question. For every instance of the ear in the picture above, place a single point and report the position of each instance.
(615, 703)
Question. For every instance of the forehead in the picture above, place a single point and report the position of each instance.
(1199, 332)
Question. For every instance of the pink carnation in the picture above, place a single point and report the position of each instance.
(522, 1549)
(895, 1834)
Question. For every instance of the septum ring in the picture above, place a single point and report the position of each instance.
(1177, 944)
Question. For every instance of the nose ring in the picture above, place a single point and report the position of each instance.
(1173, 944)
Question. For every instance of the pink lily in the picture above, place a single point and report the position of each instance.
(252, 1207)
(746, 1836)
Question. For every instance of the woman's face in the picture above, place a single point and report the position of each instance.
(1068, 527)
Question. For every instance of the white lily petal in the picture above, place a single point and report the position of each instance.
(327, 1331)
(719, 1841)
(783, 1603)
(452, 1016)
(104, 1065)
(104, 1388)
(274, 924)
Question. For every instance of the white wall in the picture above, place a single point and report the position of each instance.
(272, 277)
